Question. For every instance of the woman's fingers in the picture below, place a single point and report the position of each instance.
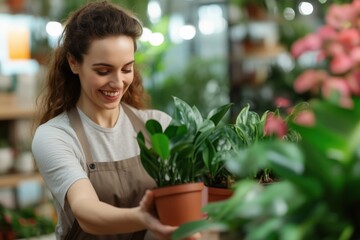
(154, 225)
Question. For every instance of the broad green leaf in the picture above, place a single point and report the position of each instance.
(184, 114)
(161, 145)
(198, 118)
(217, 115)
(153, 126)
(206, 125)
(149, 159)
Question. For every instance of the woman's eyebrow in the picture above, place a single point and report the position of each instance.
(131, 62)
(109, 65)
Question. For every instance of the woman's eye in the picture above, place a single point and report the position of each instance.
(102, 72)
(127, 70)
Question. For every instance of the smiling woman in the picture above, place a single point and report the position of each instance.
(104, 76)
(85, 143)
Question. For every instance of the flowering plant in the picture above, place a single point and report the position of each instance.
(336, 74)
(251, 129)
(317, 197)
(23, 223)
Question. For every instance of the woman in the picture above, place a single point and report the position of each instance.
(85, 143)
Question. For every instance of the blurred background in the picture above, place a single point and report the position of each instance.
(206, 52)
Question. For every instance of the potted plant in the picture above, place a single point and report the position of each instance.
(173, 157)
(251, 128)
(248, 129)
(317, 197)
(218, 179)
(6, 156)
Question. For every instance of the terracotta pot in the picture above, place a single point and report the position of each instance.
(218, 194)
(178, 204)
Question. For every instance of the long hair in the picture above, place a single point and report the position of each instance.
(95, 20)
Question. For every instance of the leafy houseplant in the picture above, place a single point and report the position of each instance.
(173, 156)
(251, 128)
(317, 197)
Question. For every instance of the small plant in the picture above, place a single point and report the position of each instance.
(251, 128)
(179, 153)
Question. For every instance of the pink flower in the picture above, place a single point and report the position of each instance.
(356, 4)
(353, 81)
(355, 54)
(338, 43)
(275, 125)
(282, 102)
(349, 38)
(336, 85)
(326, 33)
(333, 48)
(310, 80)
(305, 118)
(340, 16)
(341, 63)
(310, 42)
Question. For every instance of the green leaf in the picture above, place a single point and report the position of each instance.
(153, 126)
(198, 118)
(278, 155)
(184, 114)
(161, 145)
(149, 159)
(217, 114)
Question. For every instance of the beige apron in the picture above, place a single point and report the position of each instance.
(119, 183)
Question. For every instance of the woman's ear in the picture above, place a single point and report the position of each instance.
(73, 64)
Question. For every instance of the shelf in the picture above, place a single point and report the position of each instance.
(263, 52)
(14, 179)
(12, 108)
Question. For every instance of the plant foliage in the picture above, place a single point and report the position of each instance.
(317, 197)
(176, 154)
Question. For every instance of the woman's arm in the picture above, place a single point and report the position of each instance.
(98, 218)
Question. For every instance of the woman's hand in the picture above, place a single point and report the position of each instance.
(156, 228)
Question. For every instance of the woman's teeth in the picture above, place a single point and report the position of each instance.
(111, 94)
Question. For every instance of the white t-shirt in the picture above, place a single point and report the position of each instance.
(61, 160)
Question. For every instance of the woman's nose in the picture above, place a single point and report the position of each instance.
(118, 79)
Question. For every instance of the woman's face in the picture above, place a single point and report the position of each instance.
(106, 72)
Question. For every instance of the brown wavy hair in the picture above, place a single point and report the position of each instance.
(95, 20)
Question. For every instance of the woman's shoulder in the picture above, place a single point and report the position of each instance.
(57, 126)
(59, 121)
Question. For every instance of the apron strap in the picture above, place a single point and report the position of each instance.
(136, 122)
(75, 122)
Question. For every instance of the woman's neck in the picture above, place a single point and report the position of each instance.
(106, 118)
